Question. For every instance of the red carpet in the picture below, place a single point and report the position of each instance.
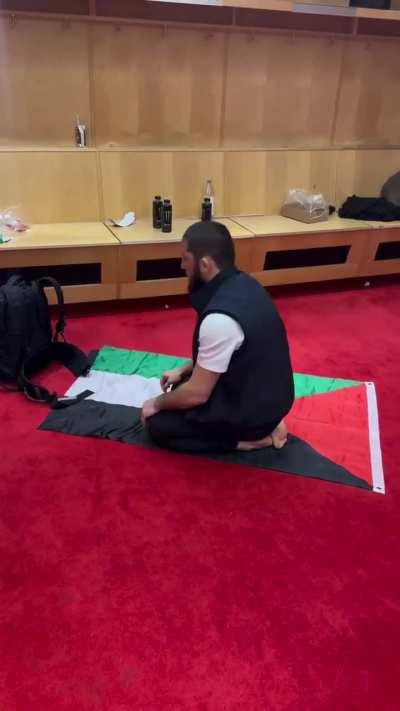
(132, 580)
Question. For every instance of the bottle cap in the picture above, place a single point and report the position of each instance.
(157, 197)
(167, 201)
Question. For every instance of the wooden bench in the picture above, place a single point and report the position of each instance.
(149, 260)
(275, 249)
(382, 253)
(81, 255)
(94, 261)
(285, 251)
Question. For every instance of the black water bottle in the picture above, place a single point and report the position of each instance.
(206, 209)
(157, 212)
(167, 216)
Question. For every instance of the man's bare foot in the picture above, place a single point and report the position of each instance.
(277, 439)
(258, 444)
(279, 435)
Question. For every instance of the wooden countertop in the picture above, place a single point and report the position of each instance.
(384, 225)
(97, 234)
(62, 234)
(273, 225)
(142, 232)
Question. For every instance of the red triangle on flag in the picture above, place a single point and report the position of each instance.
(336, 425)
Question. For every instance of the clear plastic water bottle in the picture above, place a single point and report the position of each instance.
(209, 193)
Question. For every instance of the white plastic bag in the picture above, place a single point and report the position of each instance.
(313, 205)
(306, 206)
(11, 222)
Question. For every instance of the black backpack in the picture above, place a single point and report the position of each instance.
(27, 342)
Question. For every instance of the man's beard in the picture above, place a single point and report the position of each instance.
(195, 281)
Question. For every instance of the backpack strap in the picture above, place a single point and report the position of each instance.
(70, 356)
(38, 393)
(61, 323)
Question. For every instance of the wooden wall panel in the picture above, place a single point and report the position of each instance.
(170, 87)
(369, 102)
(310, 170)
(257, 182)
(280, 90)
(50, 186)
(62, 186)
(363, 172)
(44, 81)
(191, 170)
(156, 87)
(245, 182)
(131, 179)
(245, 90)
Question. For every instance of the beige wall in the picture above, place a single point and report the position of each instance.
(167, 108)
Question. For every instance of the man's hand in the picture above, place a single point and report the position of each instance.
(150, 408)
(171, 377)
(192, 393)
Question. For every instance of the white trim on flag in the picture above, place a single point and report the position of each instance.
(116, 389)
(378, 481)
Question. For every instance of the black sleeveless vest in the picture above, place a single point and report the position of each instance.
(258, 386)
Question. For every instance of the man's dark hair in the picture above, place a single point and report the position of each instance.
(211, 239)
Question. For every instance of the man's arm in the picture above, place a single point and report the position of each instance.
(174, 377)
(187, 369)
(219, 337)
(194, 392)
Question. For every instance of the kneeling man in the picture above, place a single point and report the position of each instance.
(238, 388)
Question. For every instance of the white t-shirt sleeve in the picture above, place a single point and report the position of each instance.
(219, 337)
